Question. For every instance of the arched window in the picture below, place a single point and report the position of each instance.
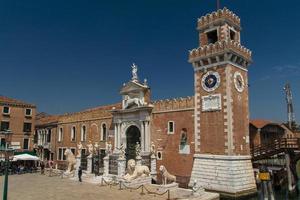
(83, 133)
(103, 132)
(60, 134)
(73, 134)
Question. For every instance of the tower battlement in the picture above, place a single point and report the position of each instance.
(204, 54)
(220, 15)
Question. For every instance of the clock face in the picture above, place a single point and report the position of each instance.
(239, 82)
(210, 81)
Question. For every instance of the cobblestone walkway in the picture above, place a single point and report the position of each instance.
(40, 187)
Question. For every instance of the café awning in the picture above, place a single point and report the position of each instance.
(25, 157)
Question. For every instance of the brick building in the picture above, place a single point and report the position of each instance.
(204, 137)
(264, 132)
(172, 136)
(18, 117)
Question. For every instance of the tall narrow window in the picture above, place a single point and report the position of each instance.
(49, 136)
(3, 143)
(27, 127)
(60, 151)
(61, 154)
(73, 134)
(171, 127)
(232, 35)
(83, 133)
(64, 156)
(4, 126)
(103, 131)
(26, 144)
(60, 134)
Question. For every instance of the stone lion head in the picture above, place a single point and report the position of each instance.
(162, 168)
(131, 166)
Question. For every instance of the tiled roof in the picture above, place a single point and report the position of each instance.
(101, 111)
(260, 123)
(14, 102)
(50, 119)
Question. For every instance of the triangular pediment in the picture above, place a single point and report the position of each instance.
(132, 87)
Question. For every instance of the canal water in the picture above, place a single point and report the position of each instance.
(279, 195)
(282, 194)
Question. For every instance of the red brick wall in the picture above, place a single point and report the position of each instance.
(212, 137)
(177, 164)
(240, 108)
(213, 124)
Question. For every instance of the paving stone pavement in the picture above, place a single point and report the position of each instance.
(40, 187)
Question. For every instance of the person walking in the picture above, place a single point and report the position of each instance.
(42, 164)
(80, 174)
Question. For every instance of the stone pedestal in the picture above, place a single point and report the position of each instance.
(153, 171)
(77, 165)
(138, 161)
(166, 187)
(136, 182)
(89, 164)
(228, 175)
(106, 165)
(121, 166)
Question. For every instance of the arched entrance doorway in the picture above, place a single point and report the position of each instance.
(133, 135)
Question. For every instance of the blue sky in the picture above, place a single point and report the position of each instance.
(70, 55)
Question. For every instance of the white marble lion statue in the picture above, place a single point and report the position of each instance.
(166, 176)
(132, 101)
(134, 172)
(71, 160)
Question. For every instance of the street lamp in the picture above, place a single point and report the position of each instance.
(6, 150)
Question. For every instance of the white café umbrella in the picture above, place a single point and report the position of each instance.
(25, 157)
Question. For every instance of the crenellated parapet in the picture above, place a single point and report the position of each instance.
(219, 16)
(221, 51)
(173, 104)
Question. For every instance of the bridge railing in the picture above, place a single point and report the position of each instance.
(277, 146)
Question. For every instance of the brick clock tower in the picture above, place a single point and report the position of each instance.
(222, 160)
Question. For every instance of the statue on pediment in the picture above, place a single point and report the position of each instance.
(134, 72)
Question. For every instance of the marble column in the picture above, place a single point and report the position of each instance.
(116, 137)
(121, 166)
(153, 171)
(142, 135)
(106, 165)
(119, 134)
(89, 164)
(147, 137)
(78, 164)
